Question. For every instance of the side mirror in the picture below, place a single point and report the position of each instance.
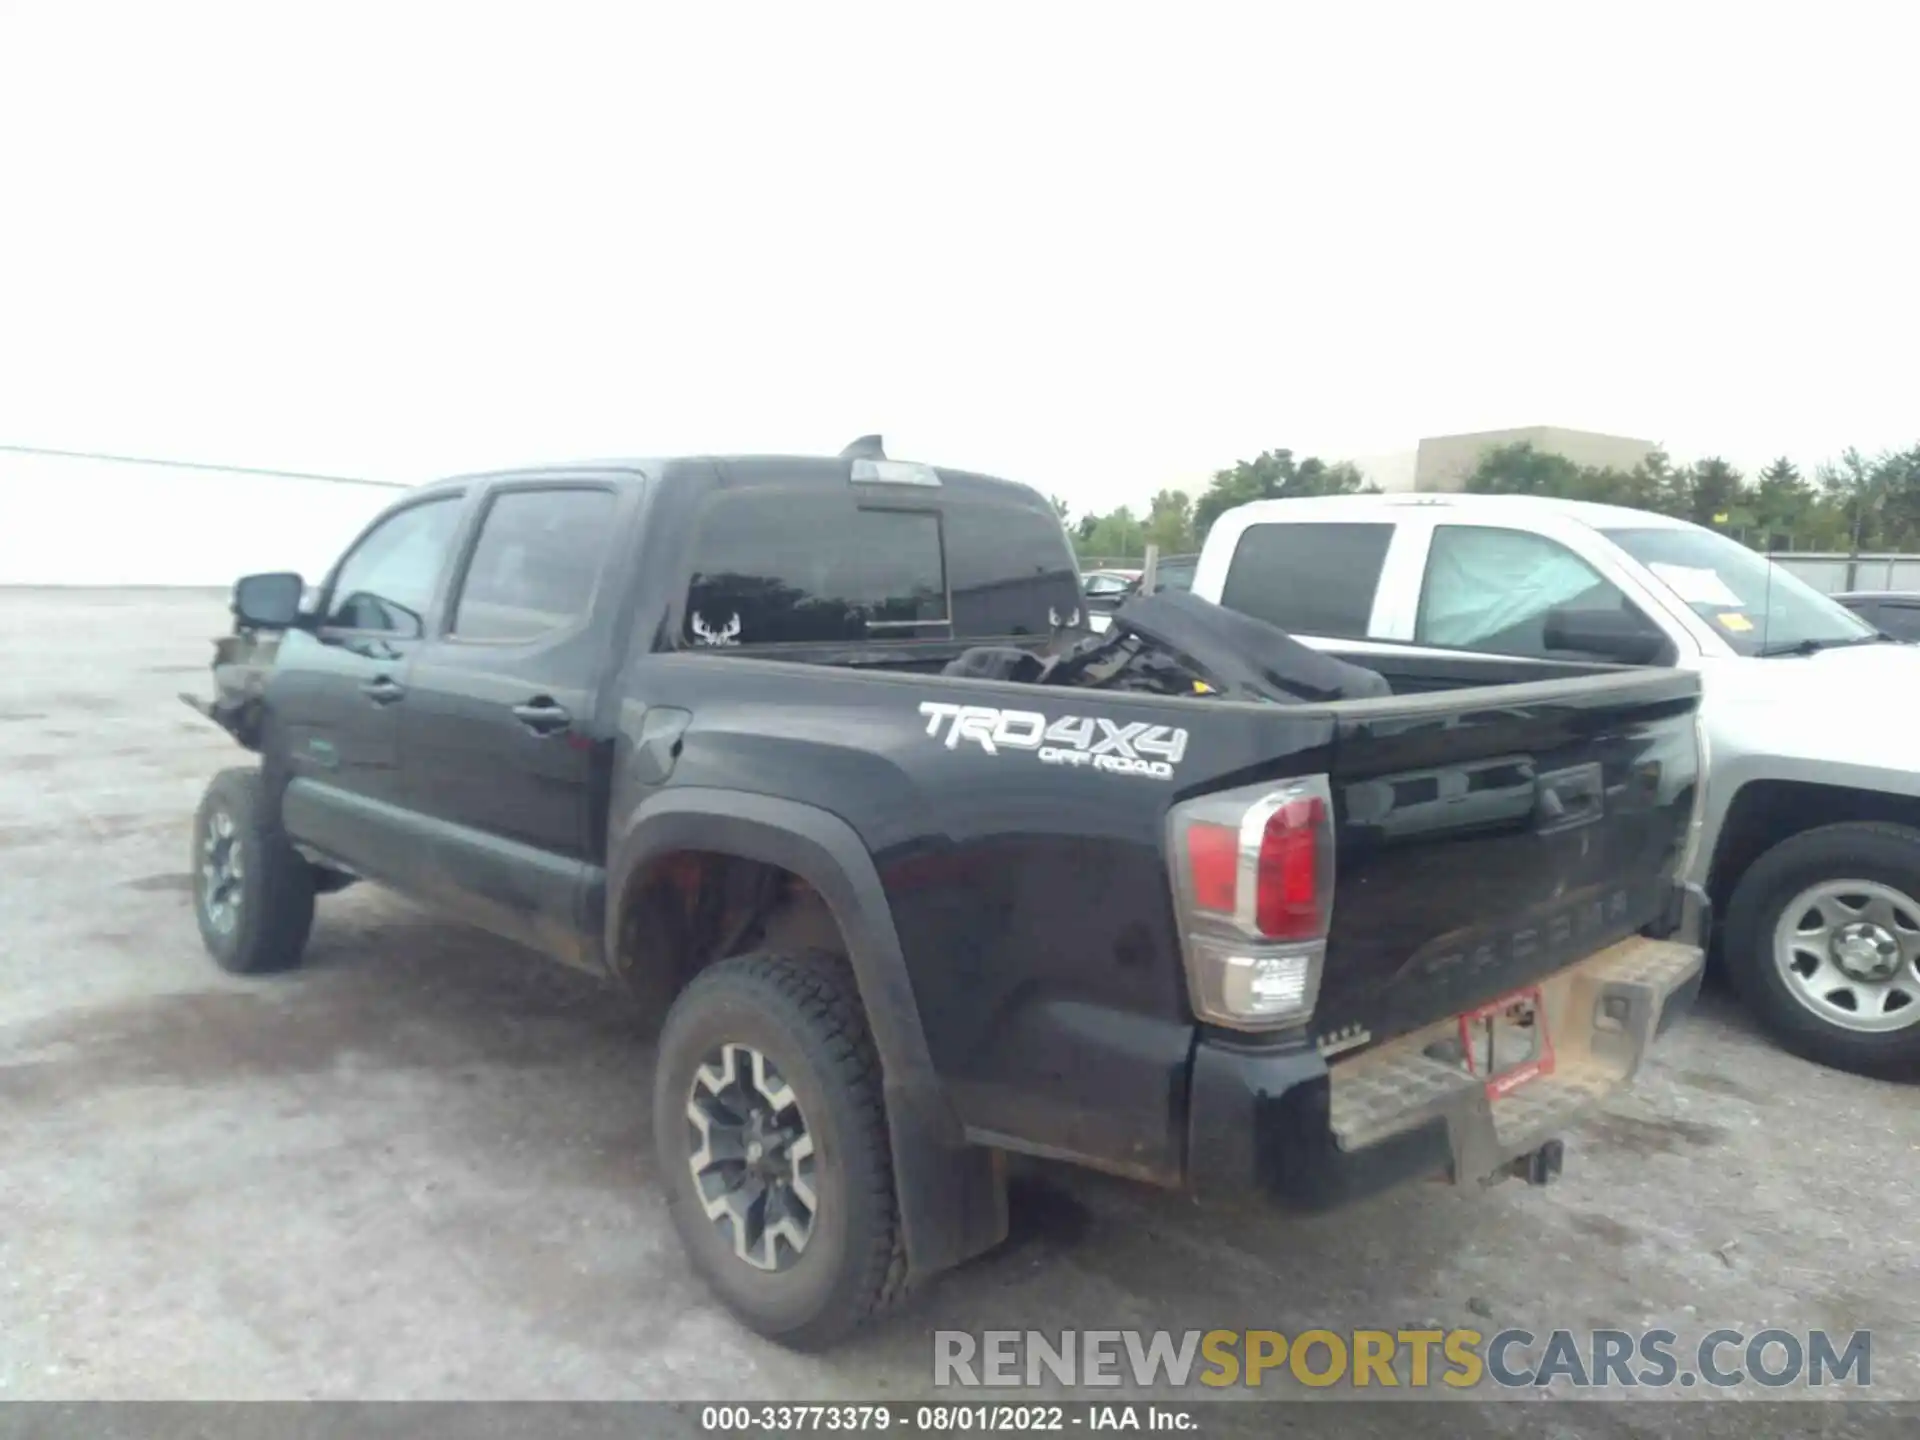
(268, 602)
(1623, 636)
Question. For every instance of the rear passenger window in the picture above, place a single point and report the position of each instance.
(535, 564)
(814, 568)
(1308, 578)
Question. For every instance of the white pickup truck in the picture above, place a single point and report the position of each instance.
(1808, 842)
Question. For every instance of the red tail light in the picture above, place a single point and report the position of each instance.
(1287, 895)
(1213, 866)
(1285, 902)
(1253, 877)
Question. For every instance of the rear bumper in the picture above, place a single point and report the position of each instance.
(1303, 1134)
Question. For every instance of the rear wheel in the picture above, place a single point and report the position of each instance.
(770, 1131)
(1823, 943)
(252, 892)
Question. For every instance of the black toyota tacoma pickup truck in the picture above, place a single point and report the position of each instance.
(816, 757)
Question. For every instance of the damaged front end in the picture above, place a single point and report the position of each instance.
(241, 664)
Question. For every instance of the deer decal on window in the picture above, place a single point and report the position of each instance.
(727, 634)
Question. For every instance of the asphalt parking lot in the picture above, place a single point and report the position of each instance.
(418, 1168)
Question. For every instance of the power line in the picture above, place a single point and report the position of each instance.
(199, 465)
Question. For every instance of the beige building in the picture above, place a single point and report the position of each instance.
(1392, 471)
(1445, 461)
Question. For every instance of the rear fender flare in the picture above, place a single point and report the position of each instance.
(952, 1201)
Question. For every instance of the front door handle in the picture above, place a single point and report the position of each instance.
(543, 715)
(384, 690)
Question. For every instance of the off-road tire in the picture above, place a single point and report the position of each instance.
(804, 1014)
(276, 885)
(1882, 853)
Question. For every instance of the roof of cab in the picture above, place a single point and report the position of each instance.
(747, 468)
(634, 467)
(1510, 507)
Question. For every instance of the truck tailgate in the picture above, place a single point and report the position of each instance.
(1489, 838)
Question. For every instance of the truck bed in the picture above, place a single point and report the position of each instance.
(1032, 898)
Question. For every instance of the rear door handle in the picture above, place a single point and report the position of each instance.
(384, 690)
(542, 715)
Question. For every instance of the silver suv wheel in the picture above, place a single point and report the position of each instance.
(1849, 951)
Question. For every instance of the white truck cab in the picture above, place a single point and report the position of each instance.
(1809, 841)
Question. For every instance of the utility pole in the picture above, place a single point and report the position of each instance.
(1860, 503)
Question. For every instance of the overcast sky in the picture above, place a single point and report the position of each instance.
(1095, 253)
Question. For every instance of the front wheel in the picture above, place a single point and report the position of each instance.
(771, 1136)
(1823, 944)
(252, 891)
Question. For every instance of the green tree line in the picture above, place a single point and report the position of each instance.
(1178, 524)
(1856, 503)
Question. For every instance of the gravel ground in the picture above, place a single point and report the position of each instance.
(418, 1169)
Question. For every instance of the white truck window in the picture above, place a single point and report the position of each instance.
(1490, 589)
(1751, 603)
(1308, 578)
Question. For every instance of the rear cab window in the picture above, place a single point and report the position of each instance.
(1012, 571)
(1309, 577)
(820, 562)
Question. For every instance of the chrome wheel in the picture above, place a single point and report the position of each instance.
(222, 872)
(1849, 951)
(751, 1156)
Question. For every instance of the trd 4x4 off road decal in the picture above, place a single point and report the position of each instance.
(1135, 748)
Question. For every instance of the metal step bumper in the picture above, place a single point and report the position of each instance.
(1602, 1014)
